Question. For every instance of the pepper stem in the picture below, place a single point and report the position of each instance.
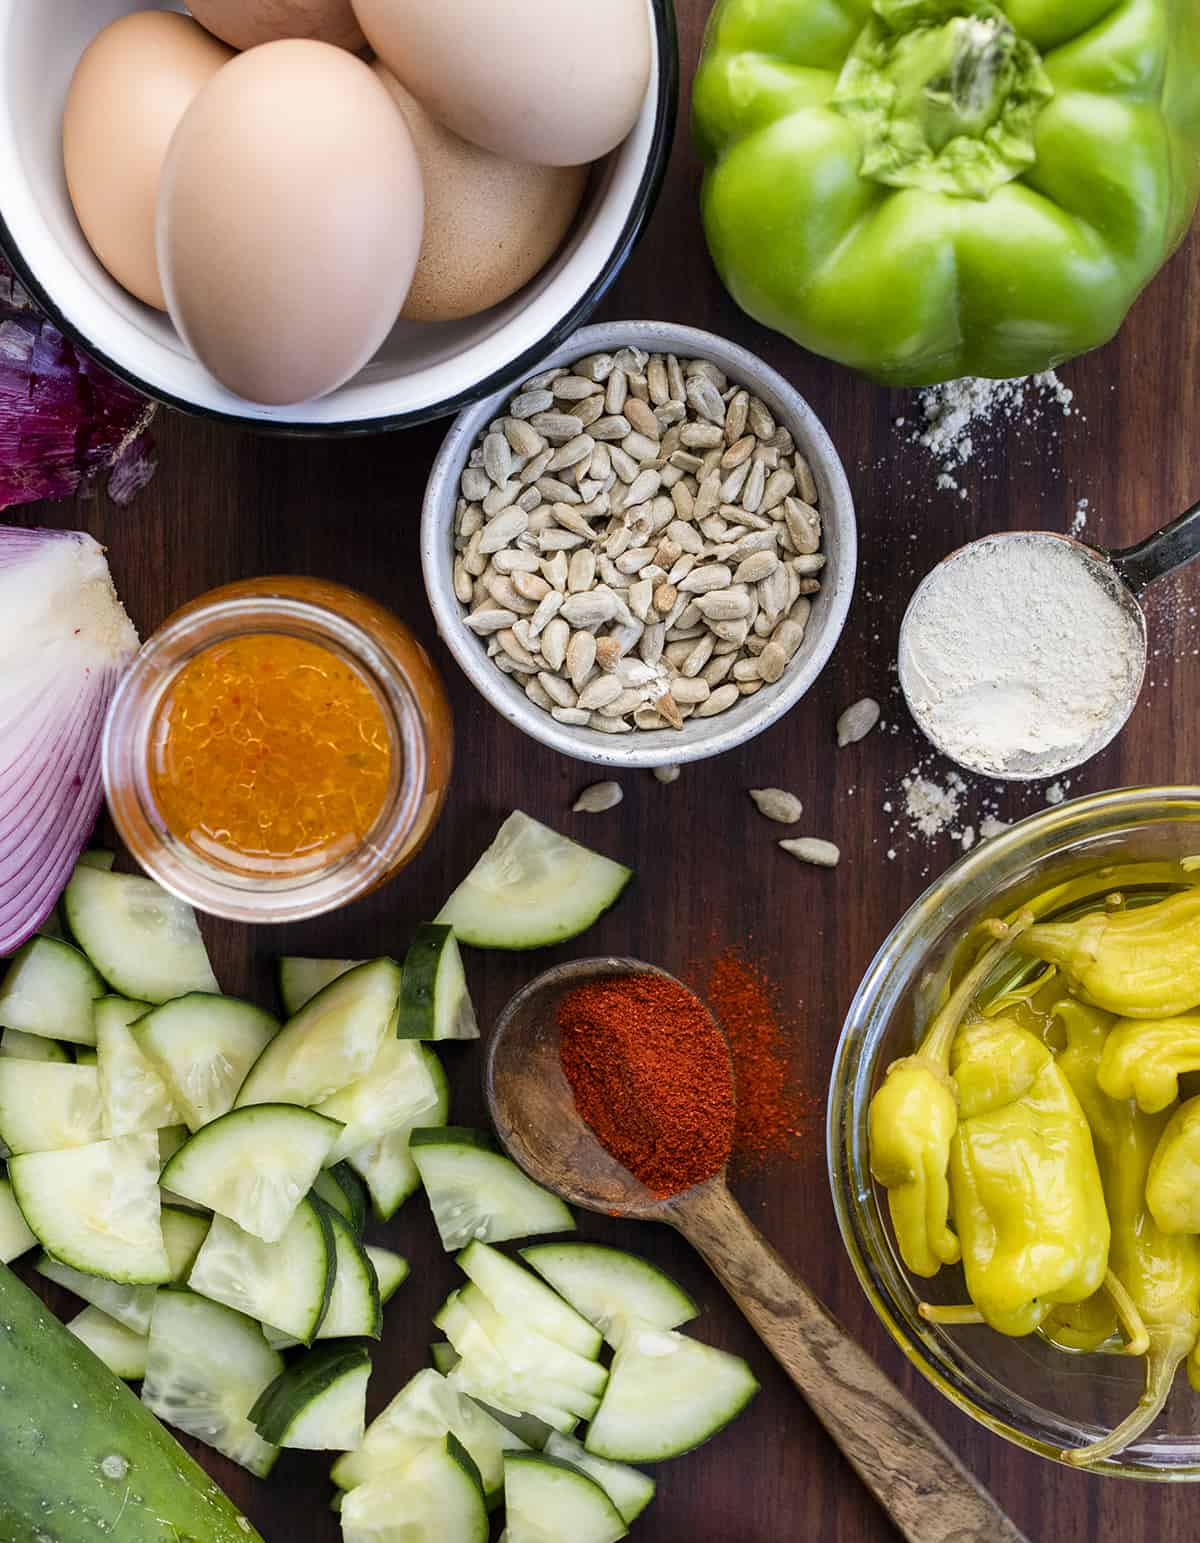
(1162, 1362)
(1137, 1336)
(936, 1045)
(934, 1312)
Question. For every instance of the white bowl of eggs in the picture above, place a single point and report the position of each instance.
(328, 216)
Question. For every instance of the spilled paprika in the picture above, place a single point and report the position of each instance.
(651, 1076)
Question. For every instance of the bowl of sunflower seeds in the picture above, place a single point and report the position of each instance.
(644, 554)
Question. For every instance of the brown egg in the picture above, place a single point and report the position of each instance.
(531, 80)
(289, 221)
(490, 224)
(247, 23)
(133, 84)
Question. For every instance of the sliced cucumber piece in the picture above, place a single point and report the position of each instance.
(391, 1271)
(526, 1428)
(436, 1499)
(50, 989)
(85, 1055)
(203, 1046)
(532, 888)
(121, 1350)
(342, 1188)
(301, 979)
(666, 1394)
(605, 1284)
(319, 1404)
(486, 1374)
(475, 1192)
(331, 1042)
(286, 1283)
(540, 1419)
(398, 1091)
(546, 1500)
(386, 1165)
(132, 1092)
(434, 1000)
(183, 1234)
(205, 1367)
(130, 1306)
(15, 1236)
(424, 1411)
(144, 942)
(170, 1139)
(529, 1353)
(97, 857)
(45, 1107)
(517, 1294)
(254, 1165)
(97, 1207)
(630, 1491)
(31, 1047)
(355, 1308)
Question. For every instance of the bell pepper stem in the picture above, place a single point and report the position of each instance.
(1137, 1336)
(942, 1031)
(1162, 1362)
(934, 1312)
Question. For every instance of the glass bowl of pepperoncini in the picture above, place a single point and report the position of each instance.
(1014, 1133)
(278, 748)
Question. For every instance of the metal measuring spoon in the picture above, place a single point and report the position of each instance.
(1125, 574)
(910, 1470)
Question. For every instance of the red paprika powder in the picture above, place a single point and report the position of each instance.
(651, 1075)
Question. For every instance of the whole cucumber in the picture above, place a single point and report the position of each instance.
(80, 1457)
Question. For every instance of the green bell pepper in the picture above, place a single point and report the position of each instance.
(926, 189)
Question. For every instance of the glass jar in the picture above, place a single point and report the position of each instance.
(1036, 1395)
(389, 670)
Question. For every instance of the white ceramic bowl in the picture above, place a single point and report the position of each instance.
(700, 737)
(424, 370)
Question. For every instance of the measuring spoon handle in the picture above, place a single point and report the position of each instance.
(910, 1470)
(1171, 547)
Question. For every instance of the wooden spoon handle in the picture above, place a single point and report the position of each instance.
(911, 1471)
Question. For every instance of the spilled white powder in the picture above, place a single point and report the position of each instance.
(1018, 656)
(956, 415)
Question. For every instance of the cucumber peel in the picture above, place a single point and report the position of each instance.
(434, 1000)
(318, 1403)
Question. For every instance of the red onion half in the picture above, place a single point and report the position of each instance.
(64, 640)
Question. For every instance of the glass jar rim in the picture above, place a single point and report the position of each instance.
(134, 710)
(896, 967)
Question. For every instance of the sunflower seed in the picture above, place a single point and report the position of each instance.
(808, 565)
(777, 804)
(577, 717)
(779, 486)
(803, 525)
(555, 570)
(556, 688)
(523, 437)
(805, 481)
(600, 692)
(555, 638)
(537, 694)
(857, 722)
(642, 419)
(548, 609)
(598, 367)
(573, 453)
(512, 646)
(648, 720)
(476, 484)
(759, 418)
(609, 725)
(701, 436)
(558, 428)
(489, 619)
(703, 580)
(758, 566)
(772, 662)
(580, 658)
(581, 571)
(822, 854)
(617, 391)
(530, 403)
(724, 605)
(719, 701)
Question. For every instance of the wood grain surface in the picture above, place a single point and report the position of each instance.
(227, 505)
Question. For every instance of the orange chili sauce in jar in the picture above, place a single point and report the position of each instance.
(278, 748)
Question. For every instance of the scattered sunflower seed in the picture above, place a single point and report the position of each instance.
(778, 805)
(857, 722)
(667, 774)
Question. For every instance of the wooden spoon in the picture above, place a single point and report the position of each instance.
(911, 1471)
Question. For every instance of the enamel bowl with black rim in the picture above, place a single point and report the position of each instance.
(424, 370)
(700, 737)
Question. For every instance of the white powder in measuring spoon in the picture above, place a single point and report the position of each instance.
(1018, 656)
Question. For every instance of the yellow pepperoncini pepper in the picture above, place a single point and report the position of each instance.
(1144, 1059)
(1140, 963)
(1173, 1183)
(1028, 1203)
(1161, 1272)
(912, 1120)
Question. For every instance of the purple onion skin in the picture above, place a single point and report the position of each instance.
(64, 420)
